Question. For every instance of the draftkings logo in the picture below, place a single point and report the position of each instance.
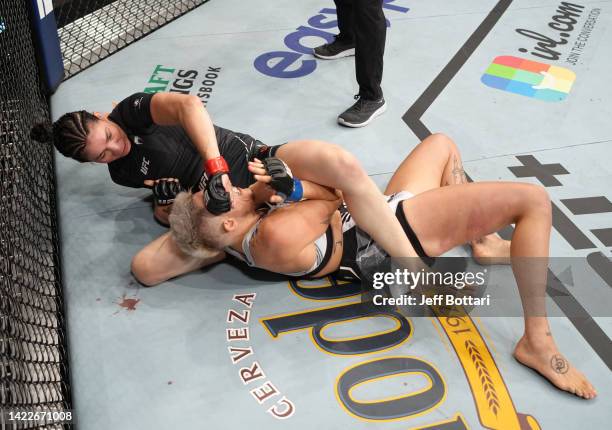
(183, 81)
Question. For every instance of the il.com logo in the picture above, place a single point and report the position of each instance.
(290, 64)
(529, 78)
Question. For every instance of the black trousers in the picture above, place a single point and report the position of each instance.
(363, 22)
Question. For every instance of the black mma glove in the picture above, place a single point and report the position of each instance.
(283, 182)
(216, 199)
(282, 179)
(165, 191)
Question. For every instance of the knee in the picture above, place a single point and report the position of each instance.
(442, 144)
(347, 165)
(538, 200)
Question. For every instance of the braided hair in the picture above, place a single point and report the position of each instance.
(68, 133)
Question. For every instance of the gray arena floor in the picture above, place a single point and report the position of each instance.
(158, 358)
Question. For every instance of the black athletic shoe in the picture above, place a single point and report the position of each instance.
(362, 112)
(336, 49)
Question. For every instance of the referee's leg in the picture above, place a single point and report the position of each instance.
(370, 34)
(344, 13)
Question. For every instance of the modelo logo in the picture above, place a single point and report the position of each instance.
(289, 64)
(493, 402)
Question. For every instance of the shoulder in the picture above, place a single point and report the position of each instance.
(278, 233)
(136, 100)
(134, 110)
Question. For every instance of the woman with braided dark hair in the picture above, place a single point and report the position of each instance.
(69, 133)
(157, 141)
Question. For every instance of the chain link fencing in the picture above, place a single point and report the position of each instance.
(91, 30)
(34, 374)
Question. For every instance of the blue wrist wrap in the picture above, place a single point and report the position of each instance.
(298, 191)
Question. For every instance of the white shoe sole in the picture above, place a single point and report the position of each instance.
(376, 113)
(347, 53)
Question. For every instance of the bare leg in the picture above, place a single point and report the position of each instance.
(434, 163)
(332, 166)
(465, 212)
(488, 249)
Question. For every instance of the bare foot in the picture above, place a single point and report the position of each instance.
(544, 357)
(491, 249)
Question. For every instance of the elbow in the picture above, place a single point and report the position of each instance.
(189, 106)
(191, 102)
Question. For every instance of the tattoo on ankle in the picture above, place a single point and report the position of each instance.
(559, 364)
(458, 172)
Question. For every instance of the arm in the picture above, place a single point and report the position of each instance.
(189, 113)
(165, 191)
(161, 260)
(314, 191)
(264, 193)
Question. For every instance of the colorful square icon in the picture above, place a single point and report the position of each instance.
(529, 78)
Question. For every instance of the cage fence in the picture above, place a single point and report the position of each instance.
(91, 30)
(34, 374)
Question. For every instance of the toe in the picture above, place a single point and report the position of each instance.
(591, 387)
